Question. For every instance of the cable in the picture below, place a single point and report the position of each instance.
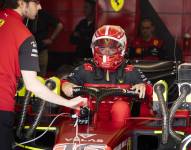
(23, 114)
(76, 138)
(29, 141)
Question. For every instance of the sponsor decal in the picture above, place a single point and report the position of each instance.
(155, 42)
(123, 144)
(71, 146)
(85, 140)
(84, 137)
(2, 22)
(34, 55)
(117, 5)
(33, 43)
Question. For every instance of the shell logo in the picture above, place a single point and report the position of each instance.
(2, 22)
(117, 5)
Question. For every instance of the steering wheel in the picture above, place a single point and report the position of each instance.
(100, 93)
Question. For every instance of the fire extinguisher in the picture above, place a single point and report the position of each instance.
(187, 42)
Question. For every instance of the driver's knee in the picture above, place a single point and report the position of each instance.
(120, 111)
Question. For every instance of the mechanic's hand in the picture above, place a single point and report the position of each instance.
(78, 102)
(139, 89)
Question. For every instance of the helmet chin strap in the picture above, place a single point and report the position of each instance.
(107, 76)
(104, 59)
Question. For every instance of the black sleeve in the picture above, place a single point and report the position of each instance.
(77, 39)
(76, 76)
(140, 77)
(28, 55)
(136, 77)
(51, 20)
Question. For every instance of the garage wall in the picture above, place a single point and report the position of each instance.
(175, 14)
(70, 12)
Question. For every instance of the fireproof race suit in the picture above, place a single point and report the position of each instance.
(88, 73)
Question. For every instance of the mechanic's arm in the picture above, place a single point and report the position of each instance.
(55, 33)
(140, 89)
(67, 88)
(41, 91)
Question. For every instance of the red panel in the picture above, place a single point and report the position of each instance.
(176, 15)
(173, 23)
(187, 6)
(165, 6)
(124, 18)
(69, 12)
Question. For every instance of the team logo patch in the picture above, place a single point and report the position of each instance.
(2, 22)
(129, 68)
(155, 42)
(88, 67)
(117, 5)
(121, 81)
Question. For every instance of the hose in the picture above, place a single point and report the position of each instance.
(36, 122)
(155, 67)
(162, 76)
(51, 85)
(185, 142)
(159, 90)
(184, 90)
(23, 114)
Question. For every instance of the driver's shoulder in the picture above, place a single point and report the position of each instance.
(89, 65)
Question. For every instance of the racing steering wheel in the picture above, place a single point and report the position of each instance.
(100, 94)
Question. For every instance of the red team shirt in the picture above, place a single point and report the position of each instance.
(147, 50)
(18, 52)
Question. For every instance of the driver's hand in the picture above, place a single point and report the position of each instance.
(67, 88)
(139, 89)
(78, 102)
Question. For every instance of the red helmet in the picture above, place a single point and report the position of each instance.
(108, 46)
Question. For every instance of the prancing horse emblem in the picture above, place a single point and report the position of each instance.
(2, 22)
(117, 5)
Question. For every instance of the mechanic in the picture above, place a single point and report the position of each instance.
(19, 55)
(108, 67)
(147, 46)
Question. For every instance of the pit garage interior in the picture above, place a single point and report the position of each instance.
(45, 126)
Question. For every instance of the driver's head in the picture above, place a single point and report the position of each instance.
(26, 8)
(108, 46)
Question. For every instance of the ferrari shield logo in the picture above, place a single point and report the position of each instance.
(1, 22)
(117, 4)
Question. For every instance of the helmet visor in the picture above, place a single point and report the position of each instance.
(107, 46)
